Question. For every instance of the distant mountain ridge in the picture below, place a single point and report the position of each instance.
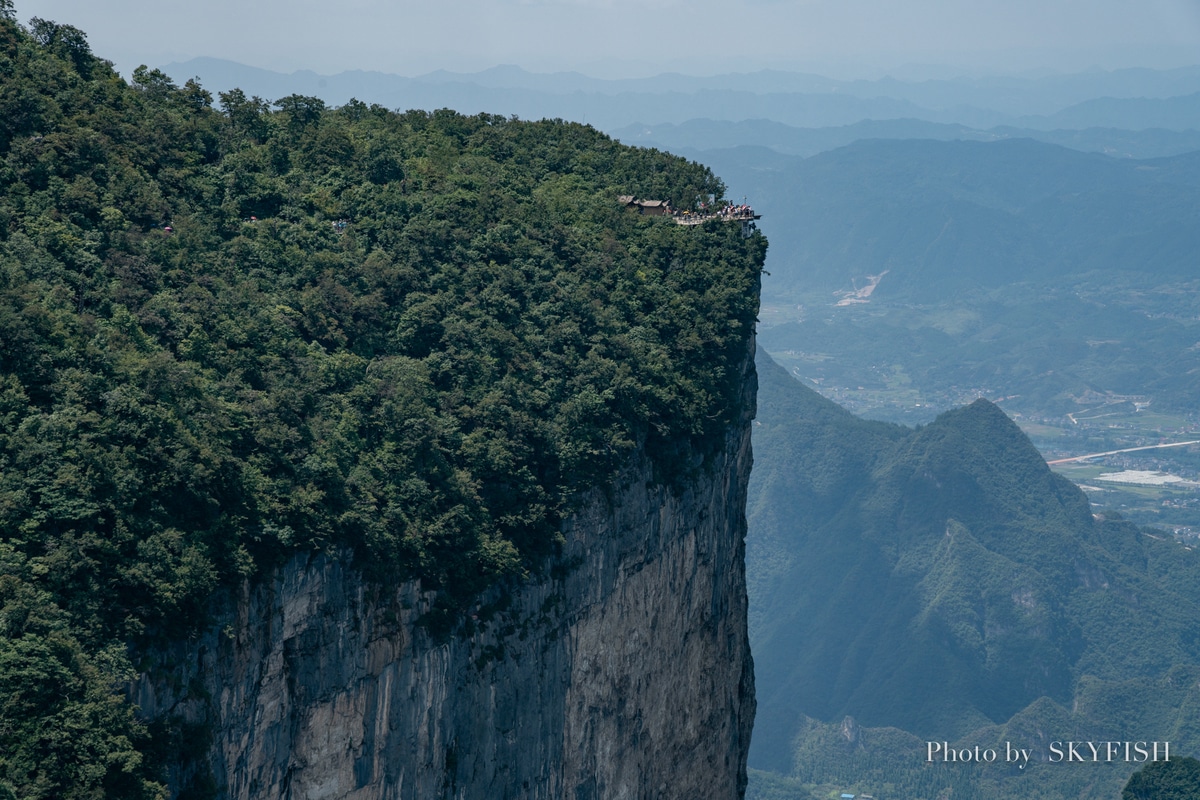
(1136, 113)
(697, 137)
(953, 216)
(797, 99)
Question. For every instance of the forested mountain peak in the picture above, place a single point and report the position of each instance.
(943, 583)
(228, 334)
(971, 458)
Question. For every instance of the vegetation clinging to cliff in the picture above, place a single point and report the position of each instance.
(226, 335)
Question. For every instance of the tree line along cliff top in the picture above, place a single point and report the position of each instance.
(230, 333)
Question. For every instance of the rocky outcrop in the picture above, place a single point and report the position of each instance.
(623, 671)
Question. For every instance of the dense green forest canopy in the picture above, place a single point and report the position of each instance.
(228, 334)
(1173, 779)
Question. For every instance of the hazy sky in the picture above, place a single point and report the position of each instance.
(638, 37)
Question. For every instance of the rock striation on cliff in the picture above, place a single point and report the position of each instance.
(623, 671)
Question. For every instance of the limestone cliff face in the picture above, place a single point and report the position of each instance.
(622, 672)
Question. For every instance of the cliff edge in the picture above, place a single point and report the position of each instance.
(333, 444)
(623, 672)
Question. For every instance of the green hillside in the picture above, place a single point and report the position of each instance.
(941, 583)
(228, 335)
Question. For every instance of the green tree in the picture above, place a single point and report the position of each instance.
(154, 82)
(64, 40)
(1173, 779)
(301, 110)
(246, 115)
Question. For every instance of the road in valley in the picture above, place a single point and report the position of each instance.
(1115, 452)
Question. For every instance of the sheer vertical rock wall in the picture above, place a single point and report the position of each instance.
(622, 672)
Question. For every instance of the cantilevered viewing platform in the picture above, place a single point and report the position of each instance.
(726, 213)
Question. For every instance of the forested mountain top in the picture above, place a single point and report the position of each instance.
(976, 443)
(942, 583)
(228, 334)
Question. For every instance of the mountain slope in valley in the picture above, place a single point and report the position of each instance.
(941, 583)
